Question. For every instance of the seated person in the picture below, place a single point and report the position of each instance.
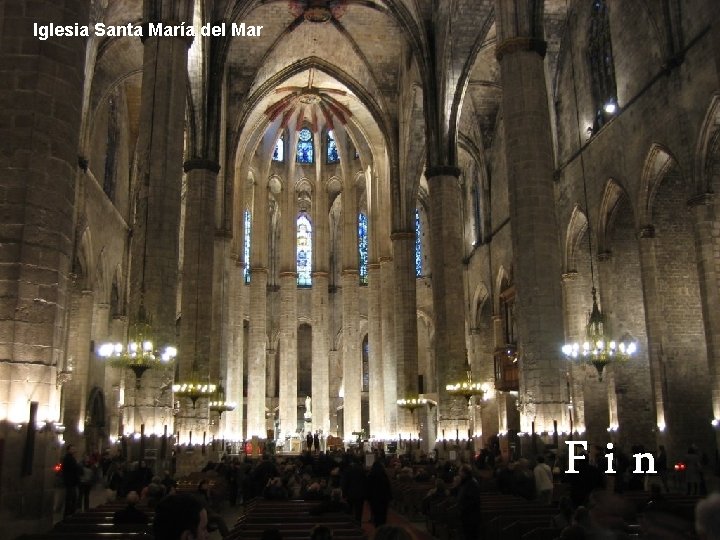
(130, 514)
(332, 506)
(180, 517)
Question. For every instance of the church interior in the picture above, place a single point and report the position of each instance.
(455, 223)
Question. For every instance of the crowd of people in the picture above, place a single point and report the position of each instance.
(351, 481)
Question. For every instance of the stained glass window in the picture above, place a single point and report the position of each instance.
(304, 251)
(246, 249)
(305, 146)
(418, 245)
(365, 365)
(363, 248)
(332, 153)
(602, 69)
(279, 153)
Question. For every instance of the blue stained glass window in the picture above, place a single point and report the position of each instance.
(363, 248)
(332, 153)
(246, 248)
(418, 245)
(305, 146)
(304, 251)
(279, 153)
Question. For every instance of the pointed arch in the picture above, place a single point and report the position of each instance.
(613, 194)
(658, 162)
(707, 150)
(577, 226)
(480, 296)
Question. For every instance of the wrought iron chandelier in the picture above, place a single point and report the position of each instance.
(219, 404)
(194, 389)
(140, 352)
(467, 388)
(412, 404)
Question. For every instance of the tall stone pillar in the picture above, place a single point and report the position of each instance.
(446, 252)
(258, 316)
(535, 236)
(41, 98)
(235, 342)
(387, 324)
(406, 337)
(75, 391)
(375, 360)
(155, 241)
(655, 322)
(575, 315)
(352, 360)
(197, 288)
(99, 334)
(288, 398)
(707, 245)
(321, 313)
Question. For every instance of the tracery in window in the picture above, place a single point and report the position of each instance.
(418, 245)
(247, 223)
(279, 153)
(363, 249)
(332, 152)
(305, 150)
(304, 251)
(602, 69)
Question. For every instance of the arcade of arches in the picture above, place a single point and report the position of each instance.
(361, 204)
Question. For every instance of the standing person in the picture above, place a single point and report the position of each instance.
(379, 493)
(71, 480)
(86, 481)
(468, 495)
(316, 442)
(309, 441)
(352, 483)
(543, 481)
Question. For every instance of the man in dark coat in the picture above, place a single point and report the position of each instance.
(316, 442)
(468, 496)
(71, 479)
(309, 441)
(379, 493)
(130, 514)
(352, 483)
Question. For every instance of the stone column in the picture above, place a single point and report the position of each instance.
(287, 393)
(75, 391)
(234, 339)
(574, 307)
(406, 337)
(41, 96)
(352, 360)
(99, 334)
(535, 236)
(258, 316)
(446, 252)
(707, 245)
(387, 323)
(375, 360)
(321, 313)
(654, 320)
(197, 288)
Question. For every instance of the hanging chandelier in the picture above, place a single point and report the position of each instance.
(218, 403)
(139, 353)
(598, 348)
(412, 403)
(467, 388)
(194, 389)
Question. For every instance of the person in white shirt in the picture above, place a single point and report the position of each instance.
(543, 481)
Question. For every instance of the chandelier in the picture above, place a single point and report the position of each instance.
(467, 388)
(218, 403)
(140, 352)
(412, 404)
(599, 349)
(194, 388)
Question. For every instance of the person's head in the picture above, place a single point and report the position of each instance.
(321, 532)
(392, 532)
(132, 498)
(707, 517)
(156, 480)
(336, 494)
(70, 449)
(180, 517)
(465, 471)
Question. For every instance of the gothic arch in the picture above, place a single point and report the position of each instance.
(613, 195)
(480, 296)
(502, 276)
(658, 162)
(577, 226)
(707, 151)
(83, 265)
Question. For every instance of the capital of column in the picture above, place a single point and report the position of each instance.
(703, 199)
(320, 274)
(569, 276)
(385, 259)
(350, 272)
(605, 256)
(402, 235)
(202, 164)
(258, 270)
(285, 274)
(647, 231)
(374, 266)
(516, 44)
(435, 171)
